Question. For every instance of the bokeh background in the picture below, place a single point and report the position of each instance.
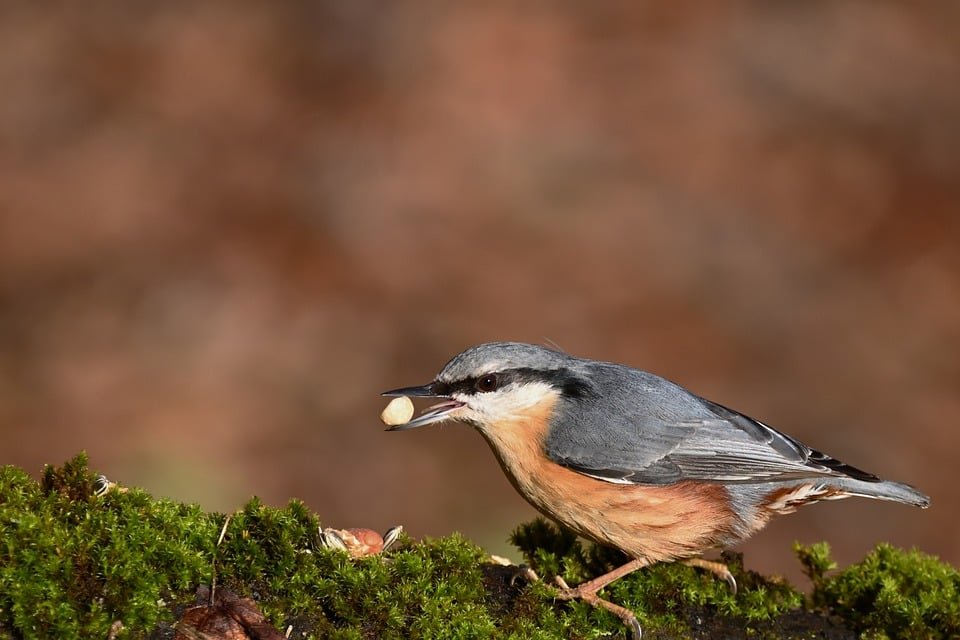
(226, 227)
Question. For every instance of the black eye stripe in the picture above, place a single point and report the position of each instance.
(441, 388)
(469, 385)
(563, 379)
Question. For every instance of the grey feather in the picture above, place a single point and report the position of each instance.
(884, 490)
(496, 356)
(641, 428)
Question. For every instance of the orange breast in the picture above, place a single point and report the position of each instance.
(651, 522)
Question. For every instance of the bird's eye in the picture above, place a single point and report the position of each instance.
(487, 383)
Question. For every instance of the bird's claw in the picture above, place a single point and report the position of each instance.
(525, 572)
(716, 568)
(566, 592)
(731, 582)
(629, 618)
(517, 571)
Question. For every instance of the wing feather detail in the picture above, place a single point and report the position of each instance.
(642, 429)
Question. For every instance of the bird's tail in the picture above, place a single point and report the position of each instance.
(882, 490)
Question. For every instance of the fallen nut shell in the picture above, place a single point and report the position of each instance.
(391, 536)
(399, 411)
(103, 485)
(358, 542)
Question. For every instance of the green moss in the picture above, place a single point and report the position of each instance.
(815, 559)
(72, 563)
(891, 593)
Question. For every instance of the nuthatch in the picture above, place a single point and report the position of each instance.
(631, 460)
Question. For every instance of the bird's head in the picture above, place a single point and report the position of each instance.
(496, 382)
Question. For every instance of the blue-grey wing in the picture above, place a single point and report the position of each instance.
(638, 428)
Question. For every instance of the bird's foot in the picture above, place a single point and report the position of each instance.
(523, 572)
(717, 568)
(517, 572)
(587, 593)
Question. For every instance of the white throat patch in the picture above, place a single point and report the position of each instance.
(507, 403)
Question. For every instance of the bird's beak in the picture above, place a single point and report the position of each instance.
(423, 391)
(433, 413)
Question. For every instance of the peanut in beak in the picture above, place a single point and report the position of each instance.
(397, 412)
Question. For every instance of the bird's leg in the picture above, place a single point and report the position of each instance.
(717, 568)
(587, 591)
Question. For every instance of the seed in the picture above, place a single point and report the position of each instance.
(399, 411)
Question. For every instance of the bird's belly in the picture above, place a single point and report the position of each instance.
(645, 521)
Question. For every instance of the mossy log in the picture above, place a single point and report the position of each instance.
(74, 564)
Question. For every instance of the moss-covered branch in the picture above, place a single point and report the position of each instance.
(72, 564)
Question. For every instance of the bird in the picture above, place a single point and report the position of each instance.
(631, 460)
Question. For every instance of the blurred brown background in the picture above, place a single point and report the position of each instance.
(225, 228)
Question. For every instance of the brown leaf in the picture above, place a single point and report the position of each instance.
(230, 617)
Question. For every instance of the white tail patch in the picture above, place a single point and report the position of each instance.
(788, 500)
